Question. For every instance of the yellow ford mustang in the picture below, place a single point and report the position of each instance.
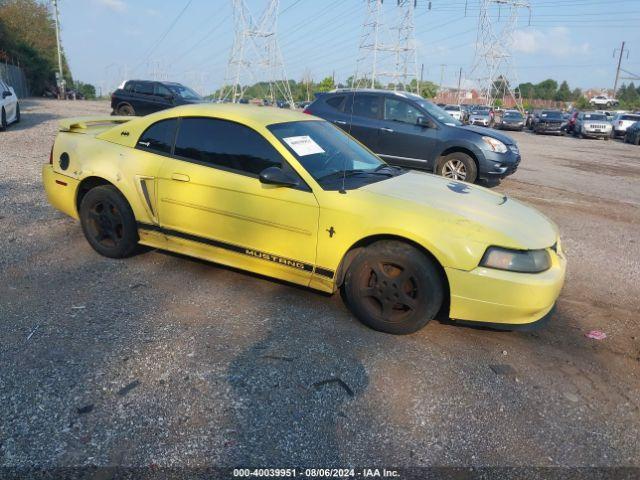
(290, 196)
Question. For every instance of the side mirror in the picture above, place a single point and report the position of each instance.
(6, 94)
(276, 176)
(424, 122)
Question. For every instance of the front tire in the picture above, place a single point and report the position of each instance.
(17, 113)
(393, 287)
(457, 166)
(3, 120)
(108, 222)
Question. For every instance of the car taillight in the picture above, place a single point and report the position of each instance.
(51, 156)
(307, 111)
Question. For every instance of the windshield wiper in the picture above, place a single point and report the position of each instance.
(352, 173)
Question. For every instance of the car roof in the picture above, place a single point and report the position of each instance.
(380, 91)
(256, 115)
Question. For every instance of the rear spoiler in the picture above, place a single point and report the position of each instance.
(78, 124)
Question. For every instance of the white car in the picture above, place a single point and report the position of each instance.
(623, 121)
(9, 106)
(455, 111)
(603, 101)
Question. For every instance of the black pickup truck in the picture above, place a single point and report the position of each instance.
(141, 97)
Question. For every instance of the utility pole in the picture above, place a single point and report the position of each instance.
(493, 68)
(442, 67)
(61, 94)
(256, 50)
(388, 51)
(459, 85)
(615, 85)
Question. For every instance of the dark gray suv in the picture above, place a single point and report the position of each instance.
(407, 130)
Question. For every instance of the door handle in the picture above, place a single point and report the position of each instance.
(386, 129)
(180, 177)
(339, 122)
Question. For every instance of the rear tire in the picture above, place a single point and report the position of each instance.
(108, 222)
(457, 166)
(17, 113)
(3, 120)
(392, 287)
(126, 109)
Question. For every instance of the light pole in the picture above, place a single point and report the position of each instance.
(61, 94)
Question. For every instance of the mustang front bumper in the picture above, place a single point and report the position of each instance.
(505, 298)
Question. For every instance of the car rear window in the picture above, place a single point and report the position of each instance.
(144, 88)
(158, 138)
(366, 106)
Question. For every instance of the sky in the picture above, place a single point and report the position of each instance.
(189, 41)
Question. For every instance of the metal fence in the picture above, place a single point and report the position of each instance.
(15, 77)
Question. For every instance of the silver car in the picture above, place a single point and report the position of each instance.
(622, 121)
(592, 125)
(455, 111)
(480, 117)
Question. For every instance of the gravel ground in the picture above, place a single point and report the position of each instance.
(169, 361)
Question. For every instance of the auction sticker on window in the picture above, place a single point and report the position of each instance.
(303, 145)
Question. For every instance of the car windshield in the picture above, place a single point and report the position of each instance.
(330, 155)
(595, 116)
(184, 92)
(551, 115)
(515, 115)
(480, 113)
(633, 118)
(437, 113)
(452, 108)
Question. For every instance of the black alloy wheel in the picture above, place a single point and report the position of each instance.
(393, 287)
(108, 222)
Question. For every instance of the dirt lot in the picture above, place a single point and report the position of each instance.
(165, 360)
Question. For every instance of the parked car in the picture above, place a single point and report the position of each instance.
(9, 106)
(632, 135)
(621, 122)
(592, 125)
(407, 130)
(570, 123)
(455, 111)
(603, 101)
(510, 120)
(141, 97)
(480, 117)
(548, 121)
(289, 196)
(532, 116)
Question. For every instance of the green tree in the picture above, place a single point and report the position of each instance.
(564, 92)
(582, 103)
(428, 89)
(527, 90)
(546, 90)
(27, 34)
(87, 90)
(325, 85)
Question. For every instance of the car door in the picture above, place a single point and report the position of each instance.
(162, 98)
(142, 98)
(401, 140)
(363, 112)
(210, 196)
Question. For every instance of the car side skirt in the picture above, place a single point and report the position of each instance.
(238, 256)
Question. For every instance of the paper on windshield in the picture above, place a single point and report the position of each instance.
(303, 145)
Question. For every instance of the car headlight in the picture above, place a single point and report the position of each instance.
(495, 145)
(525, 261)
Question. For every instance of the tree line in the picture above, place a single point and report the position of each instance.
(28, 40)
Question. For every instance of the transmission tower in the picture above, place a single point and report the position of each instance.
(255, 55)
(493, 67)
(387, 52)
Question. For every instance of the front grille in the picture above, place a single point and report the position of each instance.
(601, 127)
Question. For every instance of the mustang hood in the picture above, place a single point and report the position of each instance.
(473, 208)
(489, 133)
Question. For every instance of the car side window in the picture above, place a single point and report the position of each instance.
(400, 111)
(159, 137)
(226, 145)
(145, 88)
(161, 90)
(128, 87)
(337, 102)
(364, 106)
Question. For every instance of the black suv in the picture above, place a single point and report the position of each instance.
(140, 97)
(407, 130)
